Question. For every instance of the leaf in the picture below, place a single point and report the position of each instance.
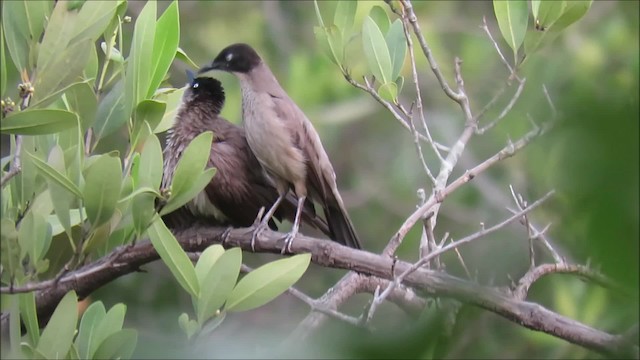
(61, 199)
(23, 23)
(110, 324)
(326, 39)
(38, 122)
(3, 66)
(93, 19)
(57, 228)
(549, 12)
(376, 51)
(34, 236)
(512, 21)
(189, 326)
(83, 101)
(573, 12)
(165, 45)
(64, 69)
(56, 338)
(397, 44)
(173, 100)
(182, 56)
(148, 173)
(118, 346)
(399, 83)
(379, 16)
(138, 75)
(114, 54)
(89, 323)
(208, 257)
(267, 282)
(102, 187)
(218, 284)
(389, 92)
(60, 30)
(111, 112)
(51, 173)
(29, 316)
(151, 112)
(173, 256)
(344, 16)
(178, 200)
(535, 8)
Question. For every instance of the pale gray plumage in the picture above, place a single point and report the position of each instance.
(285, 142)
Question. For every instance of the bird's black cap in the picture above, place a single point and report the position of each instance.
(206, 90)
(239, 58)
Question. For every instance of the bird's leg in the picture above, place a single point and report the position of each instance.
(296, 224)
(265, 221)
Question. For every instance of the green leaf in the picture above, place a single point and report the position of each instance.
(3, 66)
(535, 8)
(102, 188)
(61, 199)
(56, 338)
(218, 284)
(148, 173)
(549, 12)
(118, 346)
(110, 324)
(327, 36)
(189, 170)
(399, 83)
(379, 16)
(267, 282)
(51, 173)
(111, 112)
(93, 19)
(344, 16)
(38, 122)
(173, 100)
(138, 75)
(75, 219)
(173, 256)
(397, 44)
(512, 21)
(83, 101)
(65, 68)
(177, 200)
(23, 23)
(34, 236)
(89, 323)
(114, 54)
(151, 112)
(189, 326)
(389, 92)
(376, 51)
(182, 56)
(165, 46)
(573, 12)
(29, 316)
(208, 257)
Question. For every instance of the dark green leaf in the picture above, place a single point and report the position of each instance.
(102, 188)
(165, 44)
(111, 112)
(376, 51)
(267, 282)
(89, 323)
(38, 122)
(397, 44)
(56, 338)
(118, 346)
(218, 283)
(512, 21)
(173, 256)
(29, 316)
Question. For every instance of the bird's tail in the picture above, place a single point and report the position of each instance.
(340, 224)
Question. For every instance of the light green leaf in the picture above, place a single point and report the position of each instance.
(344, 16)
(512, 21)
(397, 44)
(56, 338)
(267, 282)
(182, 56)
(549, 12)
(177, 200)
(89, 323)
(38, 122)
(189, 326)
(110, 324)
(61, 199)
(389, 92)
(173, 99)
(535, 8)
(3, 66)
(34, 236)
(102, 188)
(147, 173)
(23, 23)
(208, 257)
(118, 346)
(399, 83)
(111, 112)
(83, 101)
(574, 11)
(114, 54)
(75, 219)
(327, 37)
(218, 284)
(51, 173)
(173, 256)
(151, 112)
(376, 51)
(138, 75)
(93, 19)
(29, 316)
(167, 36)
(379, 16)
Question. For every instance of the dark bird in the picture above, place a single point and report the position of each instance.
(285, 143)
(239, 189)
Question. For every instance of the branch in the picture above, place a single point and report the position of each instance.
(330, 254)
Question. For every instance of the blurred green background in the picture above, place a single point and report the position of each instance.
(590, 158)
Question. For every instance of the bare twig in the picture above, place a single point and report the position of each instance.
(495, 44)
(506, 110)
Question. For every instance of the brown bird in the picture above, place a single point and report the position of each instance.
(239, 188)
(285, 143)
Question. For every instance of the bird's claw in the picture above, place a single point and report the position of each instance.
(259, 228)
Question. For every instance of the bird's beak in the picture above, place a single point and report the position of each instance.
(190, 76)
(214, 66)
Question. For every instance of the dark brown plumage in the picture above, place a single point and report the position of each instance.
(285, 142)
(239, 188)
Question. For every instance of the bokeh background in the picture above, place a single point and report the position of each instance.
(590, 158)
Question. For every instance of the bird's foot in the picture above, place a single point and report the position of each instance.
(258, 229)
(288, 240)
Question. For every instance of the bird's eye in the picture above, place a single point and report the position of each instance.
(229, 57)
(195, 85)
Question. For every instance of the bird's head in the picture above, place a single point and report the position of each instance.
(236, 58)
(204, 90)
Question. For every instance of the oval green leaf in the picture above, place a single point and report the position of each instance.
(512, 21)
(218, 284)
(167, 36)
(397, 44)
(88, 327)
(102, 188)
(267, 282)
(38, 122)
(118, 346)
(376, 51)
(56, 338)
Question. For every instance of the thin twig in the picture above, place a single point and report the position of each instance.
(495, 44)
(506, 110)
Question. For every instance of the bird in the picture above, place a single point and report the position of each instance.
(239, 189)
(285, 143)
